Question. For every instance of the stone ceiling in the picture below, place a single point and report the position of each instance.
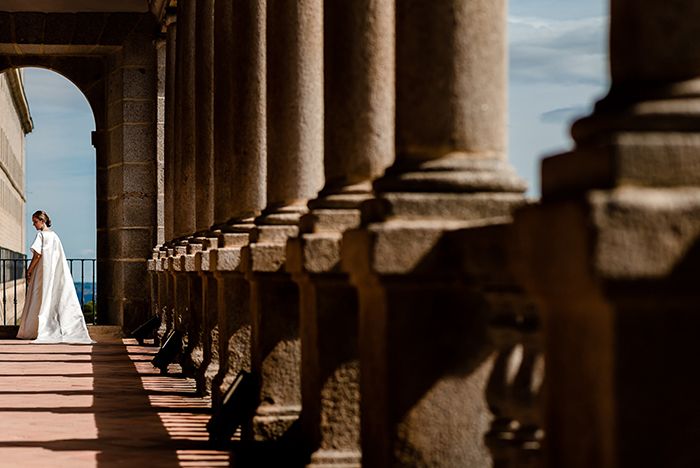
(69, 6)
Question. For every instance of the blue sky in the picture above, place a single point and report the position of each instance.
(60, 172)
(558, 69)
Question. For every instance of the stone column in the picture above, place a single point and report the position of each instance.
(184, 177)
(359, 144)
(152, 263)
(424, 350)
(204, 331)
(161, 60)
(611, 254)
(169, 147)
(240, 110)
(169, 129)
(204, 110)
(240, 158)
(294, 174)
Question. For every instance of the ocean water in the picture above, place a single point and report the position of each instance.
(88, 292)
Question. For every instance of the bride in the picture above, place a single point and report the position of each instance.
(52, 312)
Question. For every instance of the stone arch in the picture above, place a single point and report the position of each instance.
(78, 80)
(112, 59)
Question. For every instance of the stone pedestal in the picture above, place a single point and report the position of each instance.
(276, 348)
(180, 290)
(158, 284)
(424, 350)
(328, 329)
(611, 255)
(163, 294)
(151, 267)
(612, 271)
(209, 330)
(330, 370)
(233, 306)
(192, 353)
(167, 289)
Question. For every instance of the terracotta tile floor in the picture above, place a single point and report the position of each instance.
(102, 405)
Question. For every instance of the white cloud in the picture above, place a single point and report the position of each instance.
(558, 51)
(558, 68)
(563, 115)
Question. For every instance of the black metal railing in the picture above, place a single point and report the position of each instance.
(12, 280)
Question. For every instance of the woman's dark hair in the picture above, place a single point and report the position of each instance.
(43, 217)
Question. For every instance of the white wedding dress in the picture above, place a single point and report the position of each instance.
(52, 312)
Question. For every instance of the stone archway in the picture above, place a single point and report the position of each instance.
(112, 59)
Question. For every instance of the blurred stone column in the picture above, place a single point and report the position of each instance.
(240, 159)
(424, 350)
(294, 174)
(358, 146)
(611, 254)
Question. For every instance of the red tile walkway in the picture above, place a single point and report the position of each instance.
(97, 406)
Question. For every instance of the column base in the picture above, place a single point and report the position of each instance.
(335, 459)
(234, 338)
(276, 423)
(616, 274)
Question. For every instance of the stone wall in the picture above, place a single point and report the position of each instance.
(15, 122)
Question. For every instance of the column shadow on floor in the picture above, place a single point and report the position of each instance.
(115, 409)
(130, 426)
